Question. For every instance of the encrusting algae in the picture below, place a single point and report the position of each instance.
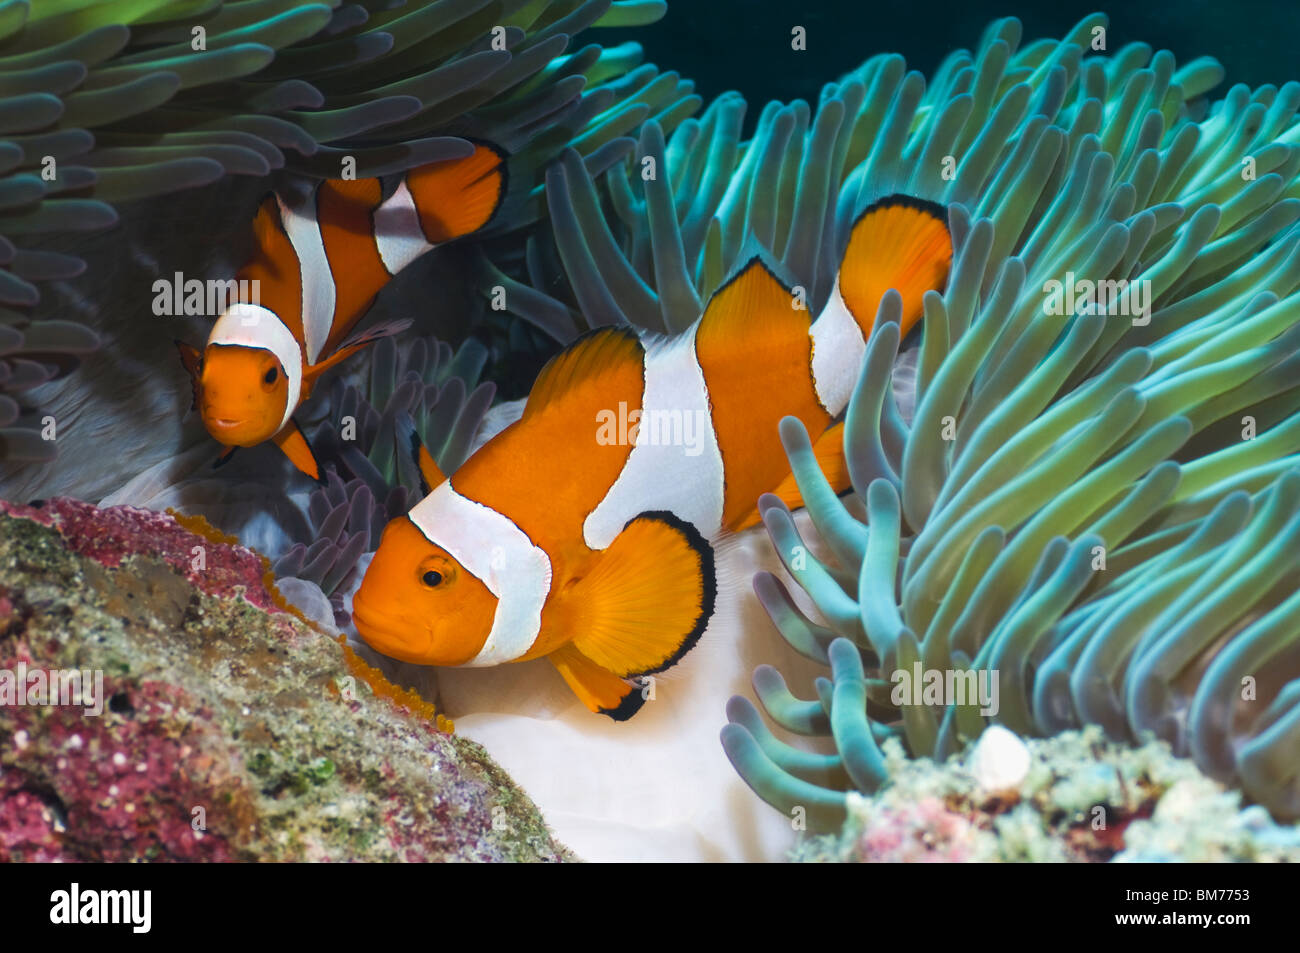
(380, 687)
(229, 731)
(1082, 798)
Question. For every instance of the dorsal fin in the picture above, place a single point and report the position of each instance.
(574, 439)
(582, 363)
(754, 296)
(275, 267)
(345, 217)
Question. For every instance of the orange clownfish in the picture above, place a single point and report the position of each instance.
(318, 267)
(564, 537)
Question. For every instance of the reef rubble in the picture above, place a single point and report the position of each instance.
(1074, 797)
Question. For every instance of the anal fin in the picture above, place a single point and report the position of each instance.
(599, 689)
(829, 450)
(645, 600)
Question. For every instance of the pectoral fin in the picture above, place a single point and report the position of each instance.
(354, 344)
(298, 450)
(645, 600)
(430, 474)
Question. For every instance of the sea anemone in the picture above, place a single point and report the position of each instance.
(1102, 513)
(1099, 507)
(994, 133)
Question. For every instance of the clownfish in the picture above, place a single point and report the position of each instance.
(318, 267)
(555, 540)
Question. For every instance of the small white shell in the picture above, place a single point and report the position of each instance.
(1000, 760)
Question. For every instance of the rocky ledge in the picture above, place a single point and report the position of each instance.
(160, 701)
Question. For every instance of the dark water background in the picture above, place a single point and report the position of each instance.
(733, 44)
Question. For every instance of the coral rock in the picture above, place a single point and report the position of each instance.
(1081, 798)
(230, 729)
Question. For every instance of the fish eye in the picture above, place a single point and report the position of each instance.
(270, 376)
(436, 572)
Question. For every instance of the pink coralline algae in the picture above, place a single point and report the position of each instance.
(111, 535)
(121, 788)
(926, 831)
(230, 729)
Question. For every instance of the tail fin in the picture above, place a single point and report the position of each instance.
(899, 242)
(459, 196)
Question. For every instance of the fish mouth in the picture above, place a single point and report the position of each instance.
(386, 638)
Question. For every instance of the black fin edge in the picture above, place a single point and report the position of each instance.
(629, 706)
(416, 445)
(194, 381)
(710, 580)
(504, 188)
(622, 330)
(739, 271)
(933, 209)
(925, 206)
